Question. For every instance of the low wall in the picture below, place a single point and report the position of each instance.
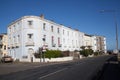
(25, 60)
(53, 59)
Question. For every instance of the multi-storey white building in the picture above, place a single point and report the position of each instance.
(27, 34)
(72, 39)
(97, 43)
(3, 44)
(88, 40)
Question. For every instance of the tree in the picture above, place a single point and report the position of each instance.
(89, 47)
(82, 47)
(86, 52)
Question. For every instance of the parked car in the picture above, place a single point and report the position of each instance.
(6, 59)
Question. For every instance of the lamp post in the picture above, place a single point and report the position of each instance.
(44, 50)
(116, 30)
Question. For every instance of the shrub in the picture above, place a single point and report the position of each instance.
(37, 55)
(86, 52)
(53, 54)
(49, 54)
(96, 53)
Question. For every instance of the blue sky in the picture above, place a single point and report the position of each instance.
(78, 14)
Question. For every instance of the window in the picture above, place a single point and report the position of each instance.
(72, 42)
(30, 23)
(44, 37)
(10, 30)
(63, 31)
(72, 33)
(14, 28)
(5, 47)
(63, 40)
(51, 28)
(58, 41)
(68, 33)
(14, 39)
(30, 36)
(18, 38)
(52, 39)
(76, 42)
(44, 26)
(58, 30)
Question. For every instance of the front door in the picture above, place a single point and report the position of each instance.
(31, 51)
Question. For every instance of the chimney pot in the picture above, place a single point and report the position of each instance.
(42, 16)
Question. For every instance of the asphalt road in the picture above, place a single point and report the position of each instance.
(84, 69)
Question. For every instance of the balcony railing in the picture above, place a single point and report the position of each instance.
(29, 43)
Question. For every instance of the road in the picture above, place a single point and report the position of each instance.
(84, 69)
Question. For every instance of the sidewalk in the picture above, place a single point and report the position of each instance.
(111, 70)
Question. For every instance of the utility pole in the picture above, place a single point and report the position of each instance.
(116, 30)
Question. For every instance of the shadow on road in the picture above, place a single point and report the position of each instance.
(110, 70)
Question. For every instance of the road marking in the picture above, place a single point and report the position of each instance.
(53, 73)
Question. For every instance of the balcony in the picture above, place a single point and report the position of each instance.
(29, 43)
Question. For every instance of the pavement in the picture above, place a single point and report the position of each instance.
(110, 70)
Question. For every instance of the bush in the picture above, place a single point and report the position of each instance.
(37, 55)
(86, 52)
(49, 54)
(53, 54)
(96, 53)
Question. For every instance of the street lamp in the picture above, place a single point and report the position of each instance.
(116, 29)
(44, 50)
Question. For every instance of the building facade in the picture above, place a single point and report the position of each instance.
(100, 44)
(29, 33)
(97, 43)
(88, 40)
(3, 44)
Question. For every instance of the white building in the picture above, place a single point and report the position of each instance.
(72, 39)
(27, 34)
(97, 43)
(3, 44)
(88, 40)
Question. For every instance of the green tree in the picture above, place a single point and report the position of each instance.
(82, 47)
(86, 52)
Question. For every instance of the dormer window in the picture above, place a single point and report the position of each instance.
(51, 28)
(44, 26)
(30, 23)
(58, 30)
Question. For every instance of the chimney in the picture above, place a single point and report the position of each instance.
(42, 16)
